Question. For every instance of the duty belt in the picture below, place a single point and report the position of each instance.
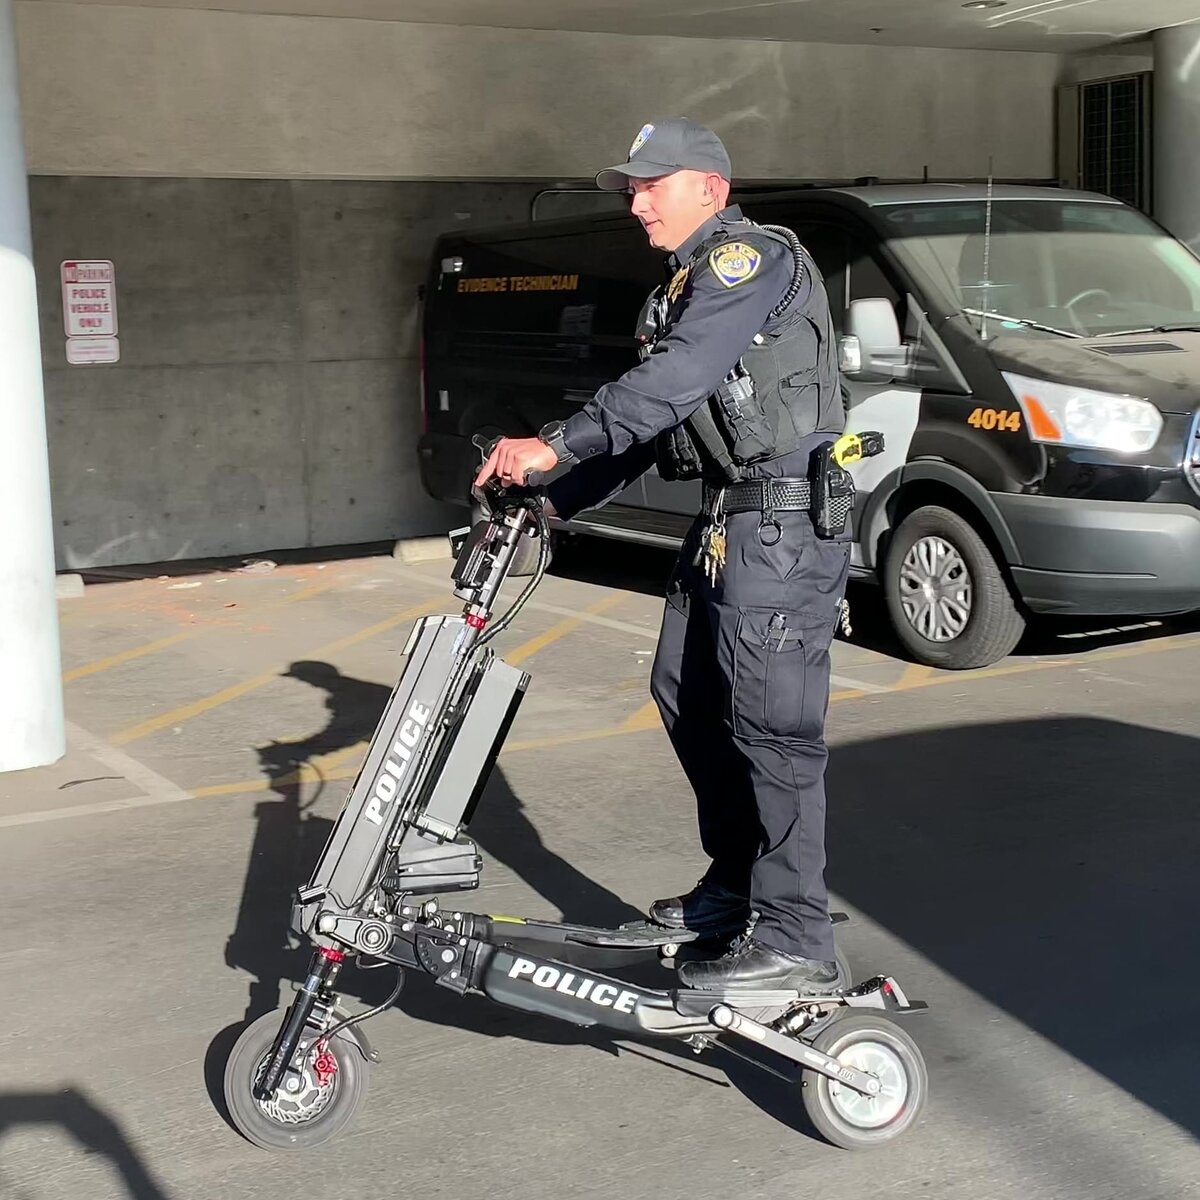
(761, 495)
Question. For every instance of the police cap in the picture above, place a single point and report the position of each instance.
(675, 144)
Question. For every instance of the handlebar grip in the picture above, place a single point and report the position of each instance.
(535, 479)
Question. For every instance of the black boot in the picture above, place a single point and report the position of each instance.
(707, 909)
(751, 965)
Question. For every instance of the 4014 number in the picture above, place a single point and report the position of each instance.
(996, 418)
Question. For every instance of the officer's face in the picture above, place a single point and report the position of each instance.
(672, 207)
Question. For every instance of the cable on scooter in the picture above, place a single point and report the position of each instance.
(498, 626)
(424, 756)
(325, 1038)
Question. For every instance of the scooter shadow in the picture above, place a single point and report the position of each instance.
(289, 836)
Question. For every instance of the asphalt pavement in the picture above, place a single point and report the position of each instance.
(1016, 845)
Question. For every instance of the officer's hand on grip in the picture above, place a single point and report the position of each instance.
(514, 460)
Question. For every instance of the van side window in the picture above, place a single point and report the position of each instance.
(827, 245)
(850, 270)
(867, 279)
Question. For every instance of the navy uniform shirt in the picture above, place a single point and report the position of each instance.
(613, 434)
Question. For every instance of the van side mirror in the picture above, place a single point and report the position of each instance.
(872, 348)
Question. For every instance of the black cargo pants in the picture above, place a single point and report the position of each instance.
(741, 679)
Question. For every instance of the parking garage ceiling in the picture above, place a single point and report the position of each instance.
(1055, 26)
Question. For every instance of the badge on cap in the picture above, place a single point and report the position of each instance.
(641, 139)
(734, 263)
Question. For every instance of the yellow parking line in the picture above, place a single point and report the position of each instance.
(1183, 641)
(115, 660)
(531, 647)
(225, 695)
(646, 719)
(322, 769)
(914, 674)
(242, 786)
(306, 773)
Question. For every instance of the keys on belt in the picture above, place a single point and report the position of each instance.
(711, 552)
(764, 496)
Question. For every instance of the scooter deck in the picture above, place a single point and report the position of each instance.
(633, 935)
(880, 991)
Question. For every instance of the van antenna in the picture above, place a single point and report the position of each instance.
(987, 249)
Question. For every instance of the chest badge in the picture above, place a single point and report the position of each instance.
(734, 263)
(676, 284)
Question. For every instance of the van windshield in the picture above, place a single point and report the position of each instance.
(1050, 267)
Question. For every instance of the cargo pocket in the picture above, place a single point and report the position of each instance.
(780, 680)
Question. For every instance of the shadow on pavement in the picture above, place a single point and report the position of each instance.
(94, 1130)
(1048, 865)
(289, 838)
(233, 564)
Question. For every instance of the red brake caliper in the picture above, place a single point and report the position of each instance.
(325, 1067)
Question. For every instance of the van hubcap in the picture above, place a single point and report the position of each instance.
(935, 589)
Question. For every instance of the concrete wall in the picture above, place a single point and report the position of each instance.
(267, 393)
(134, 91)
(1129, 58)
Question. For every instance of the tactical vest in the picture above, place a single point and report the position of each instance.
(777, 395)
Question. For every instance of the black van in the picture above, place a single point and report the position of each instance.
(1031, 354)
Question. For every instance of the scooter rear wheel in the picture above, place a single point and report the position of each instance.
(871, 1043)
(311, 1106)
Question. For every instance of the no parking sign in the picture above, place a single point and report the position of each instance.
(89, 295)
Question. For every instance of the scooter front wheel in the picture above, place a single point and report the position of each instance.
(878, 1046)
(314, 1102)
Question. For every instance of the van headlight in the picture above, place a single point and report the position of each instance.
(1075, 416)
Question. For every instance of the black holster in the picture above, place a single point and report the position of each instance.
(833, 494)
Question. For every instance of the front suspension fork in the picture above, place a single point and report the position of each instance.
(322, 973)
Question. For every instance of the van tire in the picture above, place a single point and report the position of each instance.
(994, 624)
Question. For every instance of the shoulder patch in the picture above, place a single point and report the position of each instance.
(735, 262)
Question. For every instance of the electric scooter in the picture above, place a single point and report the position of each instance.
(294, 1081)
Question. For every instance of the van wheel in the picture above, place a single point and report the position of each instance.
(947, 597)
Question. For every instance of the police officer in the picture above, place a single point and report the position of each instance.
(739, 386)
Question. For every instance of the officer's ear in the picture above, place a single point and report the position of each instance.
(713, 190)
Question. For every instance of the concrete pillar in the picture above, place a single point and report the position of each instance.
(31, 715)
(1177, 131)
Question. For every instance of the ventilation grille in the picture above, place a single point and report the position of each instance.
(1139, 348)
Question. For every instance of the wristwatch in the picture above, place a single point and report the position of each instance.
(552, 435)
